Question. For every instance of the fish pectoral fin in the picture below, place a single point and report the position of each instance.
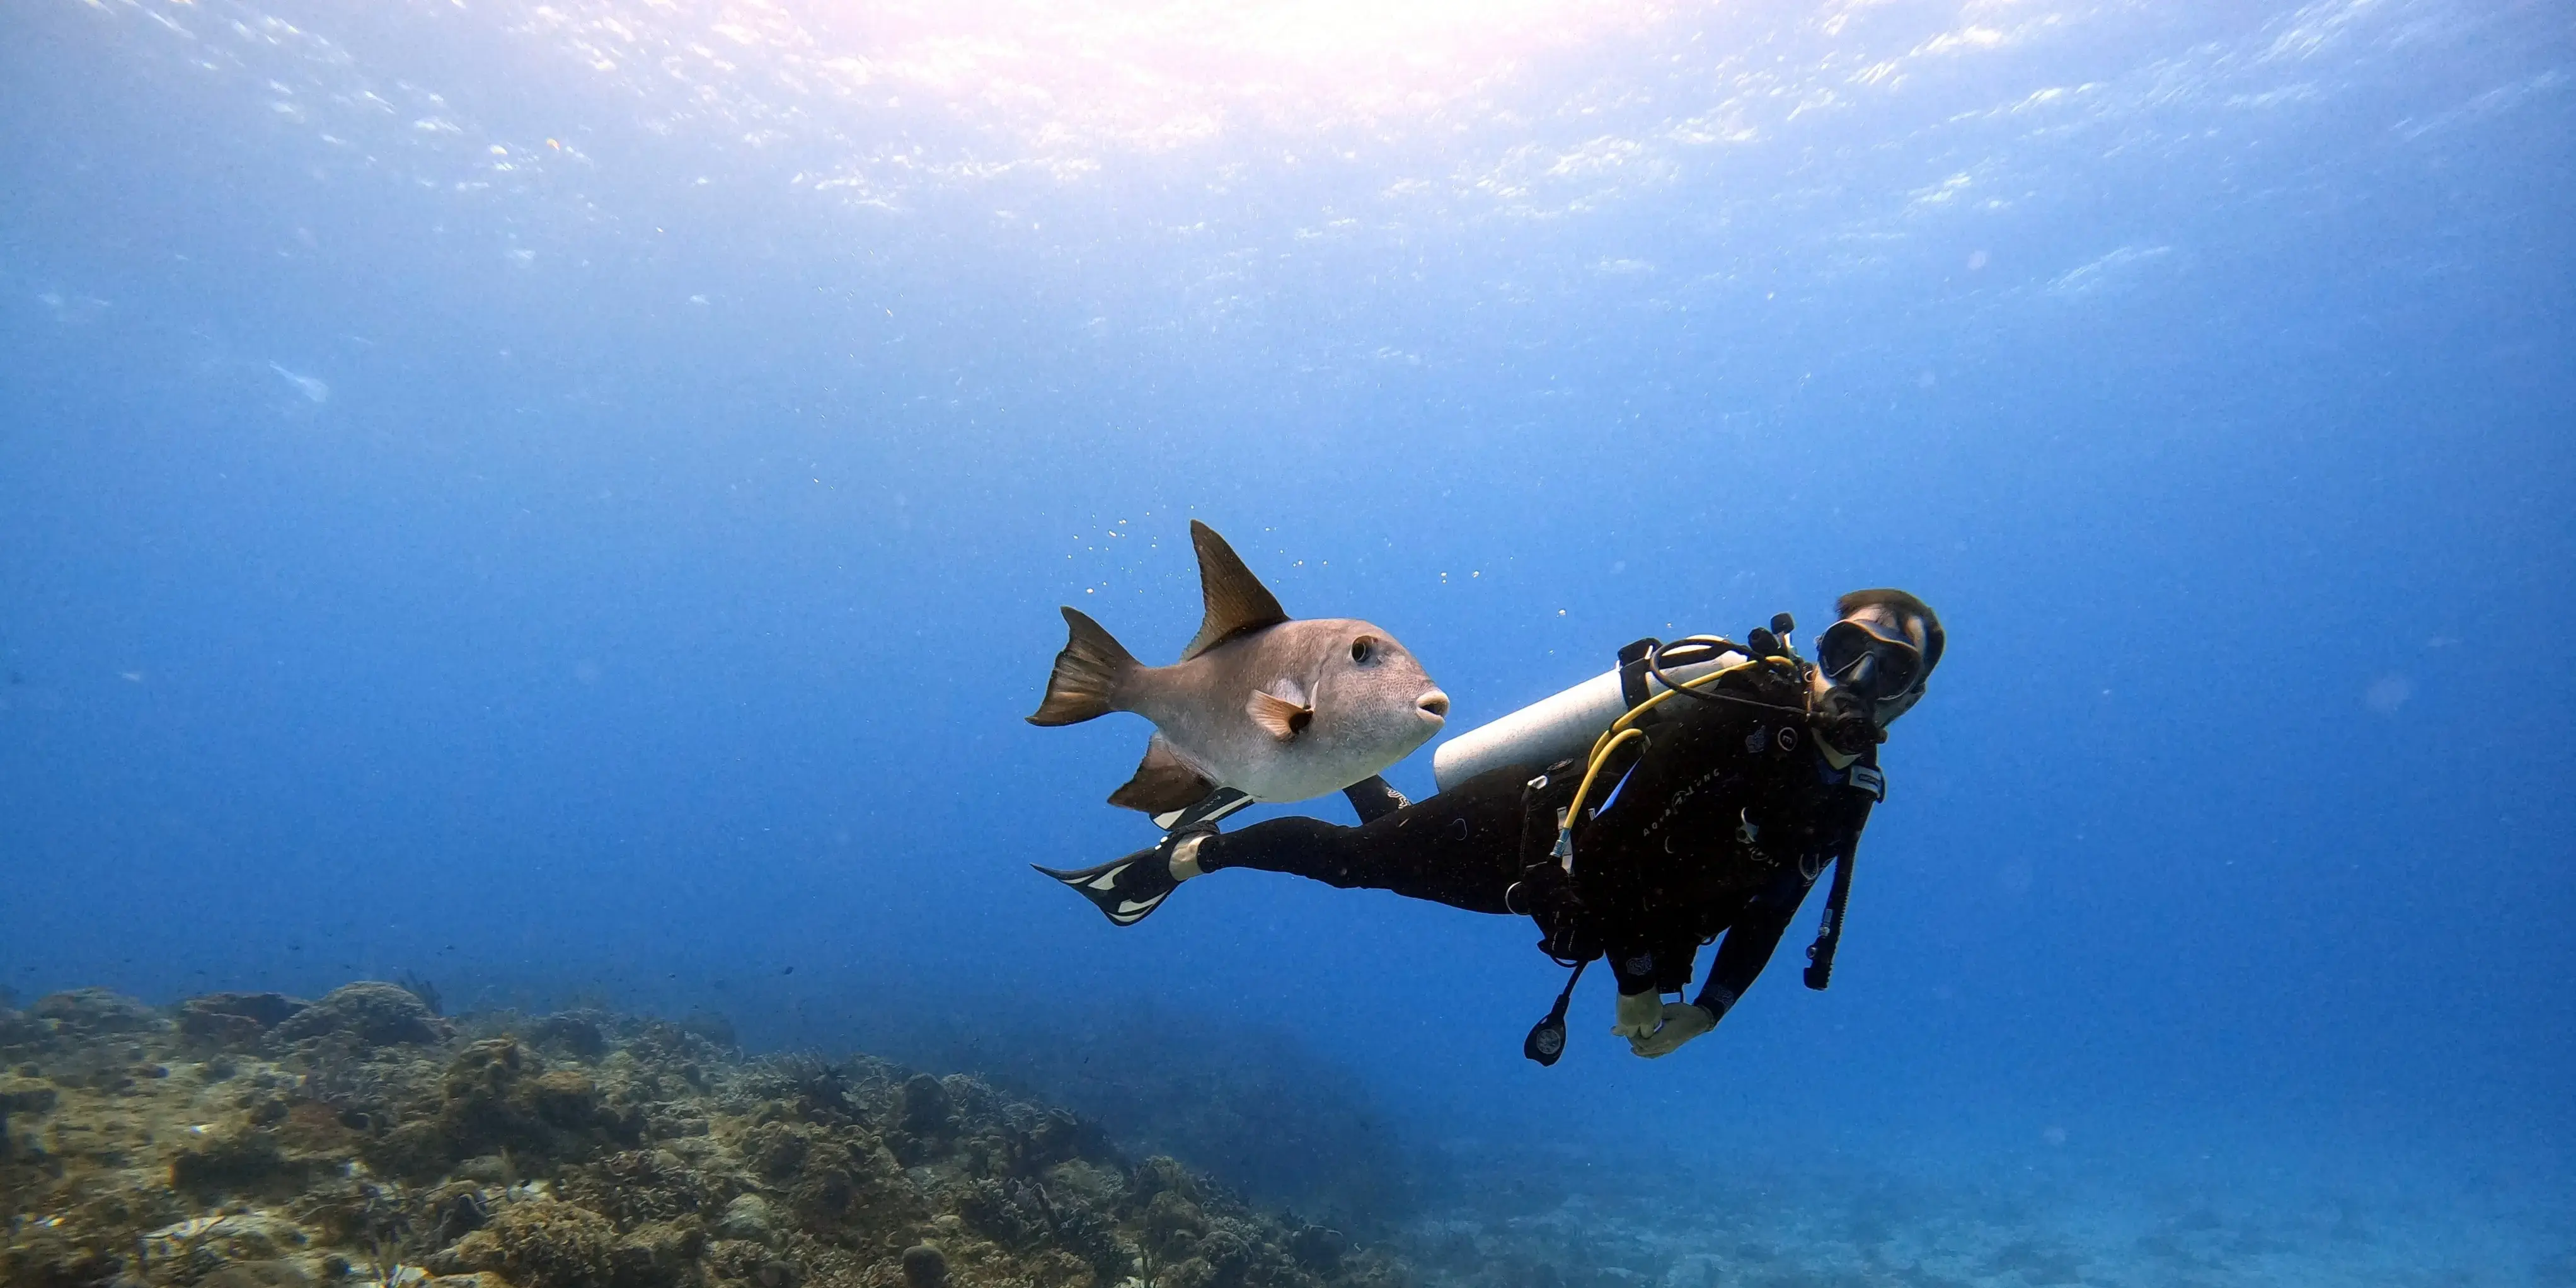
(1277, 716)
(1163, 782)
(1236, 600)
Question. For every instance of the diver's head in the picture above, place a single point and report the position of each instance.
(1879, 653)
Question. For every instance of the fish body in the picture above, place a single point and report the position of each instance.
(1280, 709)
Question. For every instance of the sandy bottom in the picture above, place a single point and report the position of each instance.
(1854, 1228)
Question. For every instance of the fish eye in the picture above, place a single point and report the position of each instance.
(1363, 648)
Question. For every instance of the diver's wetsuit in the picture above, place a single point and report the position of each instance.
(1719, 826)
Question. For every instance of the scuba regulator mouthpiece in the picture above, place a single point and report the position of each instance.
(1844, 721)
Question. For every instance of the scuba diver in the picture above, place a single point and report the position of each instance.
(1699, 790)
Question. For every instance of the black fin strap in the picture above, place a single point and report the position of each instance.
(1820, 954)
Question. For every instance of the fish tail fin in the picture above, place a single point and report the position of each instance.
(1087, 676)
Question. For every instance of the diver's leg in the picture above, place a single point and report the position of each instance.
(1461, 847)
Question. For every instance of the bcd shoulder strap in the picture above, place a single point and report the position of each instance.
(1545, 891)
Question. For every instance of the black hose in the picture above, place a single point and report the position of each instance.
(1718, 646)
(1829, 936)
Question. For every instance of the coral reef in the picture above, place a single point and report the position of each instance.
(251, 1140)
(1246, 1102)
(369, 1013)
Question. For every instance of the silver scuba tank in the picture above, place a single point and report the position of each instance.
(1553, 728)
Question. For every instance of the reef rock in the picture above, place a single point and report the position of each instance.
(18, 1029)
(85, 1011)
(236, 1019)
(23, 1097)
(539, 1244)
(748, 1217)
(365, 1143)
(375, 1014)
(573, 1035)
(925, 1266)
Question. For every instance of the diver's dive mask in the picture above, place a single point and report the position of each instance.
(1869, 660)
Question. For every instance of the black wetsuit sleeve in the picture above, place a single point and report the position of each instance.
(1749, 942)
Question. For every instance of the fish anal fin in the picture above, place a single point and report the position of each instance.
(1087, 674)
(1163, 782)
(1236, 600)
(1277, 716)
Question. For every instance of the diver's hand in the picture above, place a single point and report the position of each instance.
(1640, 1014)
(1681, 1022)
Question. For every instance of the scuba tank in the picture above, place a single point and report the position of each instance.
(1564, 725)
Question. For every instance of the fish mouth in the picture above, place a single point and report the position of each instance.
(1434, 707)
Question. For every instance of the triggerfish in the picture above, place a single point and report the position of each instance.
(1277, 709)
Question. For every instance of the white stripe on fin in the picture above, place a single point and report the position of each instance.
(1219, 804)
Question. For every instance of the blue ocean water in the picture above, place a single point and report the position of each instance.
(570, 501)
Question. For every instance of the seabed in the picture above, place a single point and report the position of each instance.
(251, 1140)
(255, 1141)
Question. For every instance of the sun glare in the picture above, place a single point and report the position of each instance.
(1132, 73)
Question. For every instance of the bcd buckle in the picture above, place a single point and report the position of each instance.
(1870, 780)
(1633, 660)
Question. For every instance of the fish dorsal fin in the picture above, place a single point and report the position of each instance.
(1236, 600)
(1277, 716)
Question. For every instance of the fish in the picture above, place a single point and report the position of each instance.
(1278, 708)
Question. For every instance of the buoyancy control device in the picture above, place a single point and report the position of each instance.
(1585, 723)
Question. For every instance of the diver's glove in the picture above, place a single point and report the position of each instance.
(1640, 1014)
(1681, 1022)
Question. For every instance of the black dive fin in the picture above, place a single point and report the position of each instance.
(1163, 782)
(1207, 809)
(1127, 889)
(1087, 674)
(1374, 798)
(1236, 600)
